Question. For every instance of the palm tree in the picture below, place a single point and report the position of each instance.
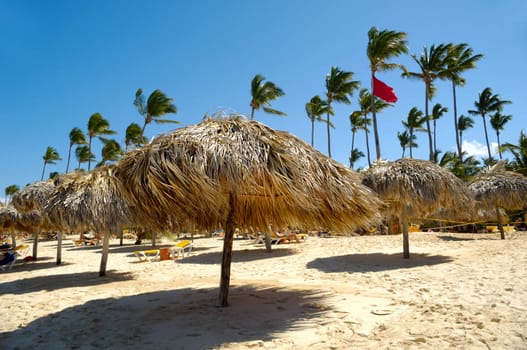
(9, 192)
(432, 65)
(498, 121)
(462, 169)
(83, 155)
(262, 95)
(134, 136)
(77, 137)
(460, 58)
(406, 141)
(339, 88)
(110, 152)
(355, 156)
(315, 108)
(97, 125)
(414, 122)
(50, 157)
(487, 103)
(437, 112)
(157, 105)
(382, 46)
(463, 123)
(519, 151)
(366, 101)
(357, 123)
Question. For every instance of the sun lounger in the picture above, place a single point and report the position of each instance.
(147, 255)
(8, 260)
(180, 248)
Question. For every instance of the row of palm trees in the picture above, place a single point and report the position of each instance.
(443, 62)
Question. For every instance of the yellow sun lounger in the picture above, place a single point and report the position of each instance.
(147, 255)
(180, 248)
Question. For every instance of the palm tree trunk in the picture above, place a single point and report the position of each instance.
(374, 120)
(43, 169)
(430, 145)
(312, 130)
(458, 141)
(329, 135)
(352, 147)
(499, 143)
(252, 113)
(367, 145)
(486, 135)
(89, 154)
(435, 128)
(460, 146)
(69, 157)
(411, 142)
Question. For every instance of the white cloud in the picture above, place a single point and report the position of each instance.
(478, 150)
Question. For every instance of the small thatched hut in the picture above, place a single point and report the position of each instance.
(413, 188)
(495, 188)
(238, 173)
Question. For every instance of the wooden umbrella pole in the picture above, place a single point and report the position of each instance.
(36, 232)
(406, 240)
(59, 248)
(500, 226)
(105, 250)
(226, 260)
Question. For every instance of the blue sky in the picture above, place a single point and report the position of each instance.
(62, 61)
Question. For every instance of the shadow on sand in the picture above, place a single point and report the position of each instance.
(54, 282)
(237, 256)
(375, 262)
(182, 319)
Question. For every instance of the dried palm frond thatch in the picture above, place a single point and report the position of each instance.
(33, 196)
(88, 201)
(230, 171)
(496, 188)
(414, 188)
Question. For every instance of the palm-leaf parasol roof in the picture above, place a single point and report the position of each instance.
(495, 188)
(416, 188)
(230, 171)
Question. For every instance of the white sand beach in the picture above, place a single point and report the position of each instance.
(463, 291)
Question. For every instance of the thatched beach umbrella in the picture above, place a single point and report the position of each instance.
(12, 220)
(415, 188)
(90, 202)
(496, 188)
(33, 197)
(233, 172)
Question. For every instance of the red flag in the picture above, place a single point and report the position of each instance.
(383, 91)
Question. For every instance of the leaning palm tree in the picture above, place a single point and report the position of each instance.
(262, 94)
(83, 155)
(157, 105)
(234, 172)
(315, 108)
(463, 124)
(366, 102)
(134, 137)
(519, 152)
(432, 65)
(498, 121)
(414, 122)
(50, 157)
(406, 141)
(357, 123)
(110, 152)
(382, 46)
(437, 112)
(460, 58)
(77, 137)
(339, 88)
(9, 191)
(97, 126)
(355, 155)
(485, 104)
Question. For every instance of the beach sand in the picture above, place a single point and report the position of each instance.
(463, 291)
